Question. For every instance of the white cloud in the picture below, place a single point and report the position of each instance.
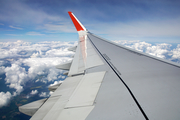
(176, 53)
(14, 49)
(41, 50)
(44, 66)
(4, 98)
(44, 94)
(2, 70)
(56, 82)
(33, 92)
(162, 50)
(27, 96)
(37, 80)
(50, 93)
(15, 27)
(63, 77)
(159, 50)
(16, 76)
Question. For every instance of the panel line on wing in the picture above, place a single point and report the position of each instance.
(108, 59)
(77, 106)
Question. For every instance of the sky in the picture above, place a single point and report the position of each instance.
(45, 20)
(35, 36)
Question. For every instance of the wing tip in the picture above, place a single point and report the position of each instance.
(77, 23)
(69, 12)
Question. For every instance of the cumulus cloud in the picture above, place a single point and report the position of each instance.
(160, 50)
(2, 70)
(56, 82)
(16, 76)
(44, 94)
(4, 98)
(33, 92)
(176, 53)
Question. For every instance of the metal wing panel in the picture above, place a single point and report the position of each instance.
(93, 58)
(155, 83)
(113, 101)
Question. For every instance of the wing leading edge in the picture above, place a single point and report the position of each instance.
(113, 83)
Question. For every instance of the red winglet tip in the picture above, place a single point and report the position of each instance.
(77, 24)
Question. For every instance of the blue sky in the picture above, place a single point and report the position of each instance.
(45, 20)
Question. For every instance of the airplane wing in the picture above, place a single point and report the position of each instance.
(107, 81)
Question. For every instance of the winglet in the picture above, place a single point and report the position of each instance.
(77, 24)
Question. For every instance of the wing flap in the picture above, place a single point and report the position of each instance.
(64, 66)
(45, 108)
(55, 104)
(86, 91)
(79, 113)
(76, 94)
(31, 108)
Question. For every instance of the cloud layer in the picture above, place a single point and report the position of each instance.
(162, 50)
(31, 62)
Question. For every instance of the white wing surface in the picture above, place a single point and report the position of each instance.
(107, 81)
